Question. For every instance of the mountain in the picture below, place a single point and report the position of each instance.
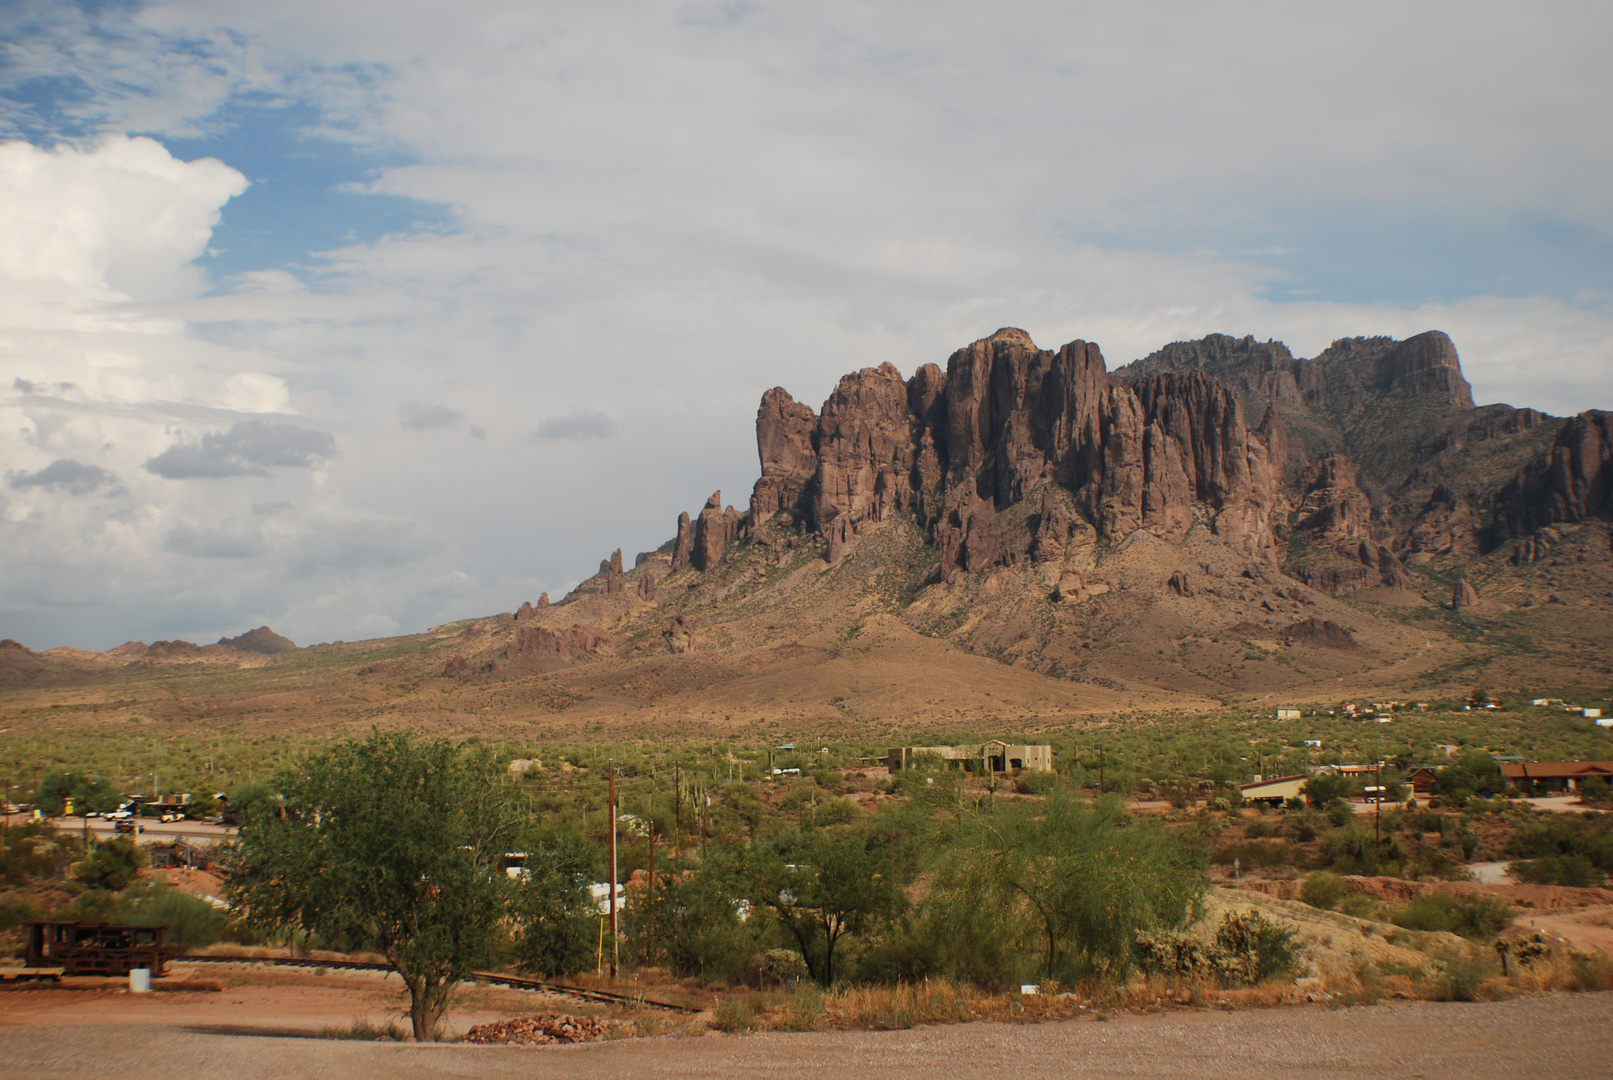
(1135, 530)
(1026, 537)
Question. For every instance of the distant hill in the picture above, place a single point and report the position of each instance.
(262, 640)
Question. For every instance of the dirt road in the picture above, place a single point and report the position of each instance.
(1552, 1036)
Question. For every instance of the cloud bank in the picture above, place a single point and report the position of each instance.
(487, 214)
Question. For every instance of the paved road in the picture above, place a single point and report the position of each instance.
(1546, 1037)
(150, 829)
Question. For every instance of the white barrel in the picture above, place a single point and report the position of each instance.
(140, 981)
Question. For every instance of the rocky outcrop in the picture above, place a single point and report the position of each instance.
(865, 451)
(958, 448)
(525, 611)
(682, 544)
(1571, 483)
(1333, 507)
(710, 535)
(262, 640)
(1464, 595)
(1320, 632)
(610, 579)
(1425, 364)
(1180, 585)
(1446, 526)
(611, 570)
(785, 442)
(540, 645)
(679, 635)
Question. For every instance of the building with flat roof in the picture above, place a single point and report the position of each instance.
(992, 756)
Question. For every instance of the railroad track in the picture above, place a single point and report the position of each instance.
(497, 979)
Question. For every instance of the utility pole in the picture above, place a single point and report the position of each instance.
(1377, 805)
(649, 898)
(615, 950)
(677, 810)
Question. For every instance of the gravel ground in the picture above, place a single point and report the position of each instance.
(1540, 1037)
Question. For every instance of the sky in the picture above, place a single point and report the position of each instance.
(357, 318)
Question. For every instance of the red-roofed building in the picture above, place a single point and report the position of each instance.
(1556, 775)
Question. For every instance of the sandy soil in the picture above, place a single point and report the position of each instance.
(1567, 1036)
(256, 1000)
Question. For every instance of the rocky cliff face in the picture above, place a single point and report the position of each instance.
(1571, 482)
(958, 448)
(1367, 458)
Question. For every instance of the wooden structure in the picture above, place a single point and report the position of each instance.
(96, 949)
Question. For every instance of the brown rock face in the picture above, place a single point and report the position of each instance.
(1180, 585)
(785, 431)
(865, 451)
(679, 635)
(1334, 507)
(1323, 632)
(957, 448)
(262, 640)
(543, 601)
(611, 570)
(525, 611)
(683, 545)
(1425, 364)
(1573, 481)
(541, 645)
(1464, 595)
(710, 535)
(1446, 526)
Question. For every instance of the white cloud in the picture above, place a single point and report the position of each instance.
(122, 220)
(665, 211)
(254, 392)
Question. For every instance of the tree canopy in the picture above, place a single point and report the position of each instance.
(392, 844)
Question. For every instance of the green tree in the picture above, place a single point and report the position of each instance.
(690, 920)
(827, 885)
(391, 843)
(88, 793)
(554, 913)
(112, 865)
(1324, 789)
(1089, 879)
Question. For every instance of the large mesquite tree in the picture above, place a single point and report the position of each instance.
(391, 843)
(1084, 880)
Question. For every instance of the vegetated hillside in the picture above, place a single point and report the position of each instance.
(1028, 538)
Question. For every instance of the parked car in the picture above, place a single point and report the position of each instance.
(126, 825)
(173, 817)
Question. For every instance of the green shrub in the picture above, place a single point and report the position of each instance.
(1323, 890)
(192, 922)
(1595, 789)
(737, 1015)
(1479, 918)
(1359, 906)
(804, 1009)
(1035, 783)
(111, 865)
(16, 911)
(1462, 978)
(1248, 949)
(1255, 948)
(1573, 870)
